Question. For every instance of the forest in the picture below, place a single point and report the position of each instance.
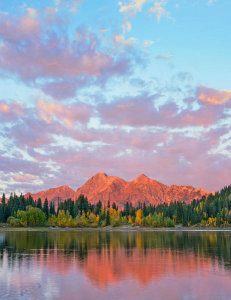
(211, 211)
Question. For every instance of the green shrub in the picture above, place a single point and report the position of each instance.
(14, 222)
(36, 217)
(33, 216)
(168, 222)
(93, 225)
(116, 223)
(22, 216)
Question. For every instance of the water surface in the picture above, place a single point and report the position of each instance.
(115, 265)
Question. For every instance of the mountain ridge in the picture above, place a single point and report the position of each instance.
(141, 189)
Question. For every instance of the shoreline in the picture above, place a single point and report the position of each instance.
(116, 229)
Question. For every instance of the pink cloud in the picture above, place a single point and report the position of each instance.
(77, 112)
(62, 89)
(53, 59)
(11, 111)
(24, 177)
(33, 133)
(140, 111)
(190, 156)
(188, 163)
(14, 30)
(172, 158)
(137, 111)
(213, 96)
(33, 50)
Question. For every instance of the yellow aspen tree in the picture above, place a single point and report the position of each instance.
(139, 217)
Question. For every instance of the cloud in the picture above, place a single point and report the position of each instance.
(148, 43)
(137, 111)
(32, 12)
(213, 96)
(14, 30)
(126, 26)
(135, 6)
(71, 6)
(210, 2)
(10, 111)
(63, 89)
(164, 56)
(75, 5)
(24, 177)
(159, 11)
(20, 165)
(140, 111)
(186, 159)
(51, 146)
(119, 39)
(32, 133)
(33, 50)
(51, 14)
(132, 7)
(77, 112)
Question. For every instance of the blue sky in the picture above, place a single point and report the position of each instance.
(122, 87)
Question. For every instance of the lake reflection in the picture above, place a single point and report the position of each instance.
(116, 265)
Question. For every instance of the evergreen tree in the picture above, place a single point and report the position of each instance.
(3, 199)
(3, 209)
(2, 216)
(114, 206)
(45, 208)
(108, 219)
(39, 203)
(98, 207)
(52, 208)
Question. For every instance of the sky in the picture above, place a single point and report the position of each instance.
(121, 87)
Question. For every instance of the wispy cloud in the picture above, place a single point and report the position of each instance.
(132, 7)
(159, 10)
(210, 2)
(148, 43)
(164, 56)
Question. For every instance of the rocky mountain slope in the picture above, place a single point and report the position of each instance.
(54, 194)
(142, 189)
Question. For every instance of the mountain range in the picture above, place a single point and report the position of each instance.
(142, 189)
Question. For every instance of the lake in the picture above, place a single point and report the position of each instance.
(115, 265)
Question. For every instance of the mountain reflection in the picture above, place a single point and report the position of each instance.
(110, 257)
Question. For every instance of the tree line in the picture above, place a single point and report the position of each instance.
(214, 210)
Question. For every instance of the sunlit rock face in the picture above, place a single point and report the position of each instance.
(54, 194)
(142, 189)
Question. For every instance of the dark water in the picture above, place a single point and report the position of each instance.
(116, 265)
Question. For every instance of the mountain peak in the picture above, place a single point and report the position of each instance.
(142, 189)
(53, 194)
(100, 175)
(141, 177)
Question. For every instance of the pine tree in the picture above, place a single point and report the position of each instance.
(39, 203)
(52, 208)
(108, 219)
(2, 217)
(98, 207)
(45, 208)
(3, 199)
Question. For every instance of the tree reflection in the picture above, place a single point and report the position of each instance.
(106, 256)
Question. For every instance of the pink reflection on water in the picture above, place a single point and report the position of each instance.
(114, 273)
